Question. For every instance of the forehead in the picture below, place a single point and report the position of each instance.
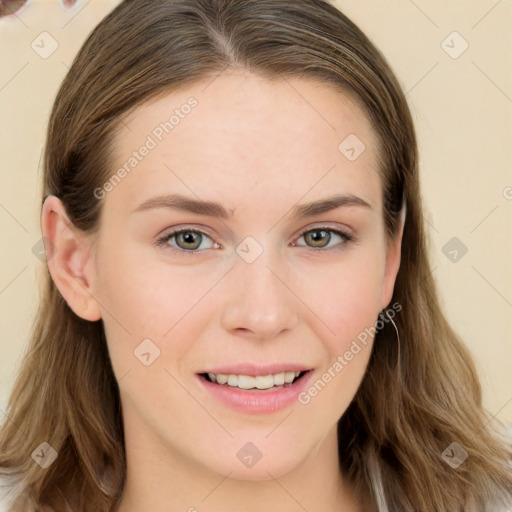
(239, 131)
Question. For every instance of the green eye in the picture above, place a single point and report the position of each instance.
(192, 241)
(185, 240)
(320, 238)
(189, 240)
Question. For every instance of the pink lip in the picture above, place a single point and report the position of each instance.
(256, 402)
(253, 369)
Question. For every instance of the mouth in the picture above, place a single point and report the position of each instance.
(251, 389)
(255, 383)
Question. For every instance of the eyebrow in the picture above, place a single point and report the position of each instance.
(212, 209)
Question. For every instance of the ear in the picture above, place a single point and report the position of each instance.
(393, 256)
(68, 254)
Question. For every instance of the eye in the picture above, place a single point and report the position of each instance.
(320, 238)
(189, 240)
(186, 240)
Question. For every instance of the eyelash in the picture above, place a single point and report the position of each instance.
(163, 241)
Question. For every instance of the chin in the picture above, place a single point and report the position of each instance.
(262, 470)
(261, 460)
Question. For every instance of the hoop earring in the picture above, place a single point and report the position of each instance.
(381, 314)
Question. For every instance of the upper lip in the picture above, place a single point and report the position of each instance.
(253, 369)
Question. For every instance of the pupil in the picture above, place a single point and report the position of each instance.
(318, 235)
(190, 237)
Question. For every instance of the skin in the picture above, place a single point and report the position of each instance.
(258, 148)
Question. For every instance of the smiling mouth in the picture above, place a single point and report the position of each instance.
(263, 383)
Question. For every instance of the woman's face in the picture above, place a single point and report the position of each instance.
(256, 283)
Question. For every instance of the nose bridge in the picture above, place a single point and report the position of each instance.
(258, 302)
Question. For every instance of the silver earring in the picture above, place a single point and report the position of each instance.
(384, 314)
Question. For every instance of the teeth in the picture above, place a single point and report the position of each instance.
(258, 382)
(279, 379)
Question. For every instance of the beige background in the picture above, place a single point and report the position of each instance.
(462, 109)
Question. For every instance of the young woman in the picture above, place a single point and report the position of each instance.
(239, 312)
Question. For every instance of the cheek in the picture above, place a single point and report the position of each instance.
(149, 296)
(348, 304)
(345, 295)
(330, 393)
(143, 299)
(346, 298)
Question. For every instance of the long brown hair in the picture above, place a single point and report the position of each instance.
(417, 397)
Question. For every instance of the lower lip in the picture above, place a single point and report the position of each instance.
(257, 402)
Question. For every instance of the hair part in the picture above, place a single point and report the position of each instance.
(411, 405)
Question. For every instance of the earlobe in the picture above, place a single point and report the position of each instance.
(68, 254)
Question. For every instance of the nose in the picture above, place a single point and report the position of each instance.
(260, 303)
